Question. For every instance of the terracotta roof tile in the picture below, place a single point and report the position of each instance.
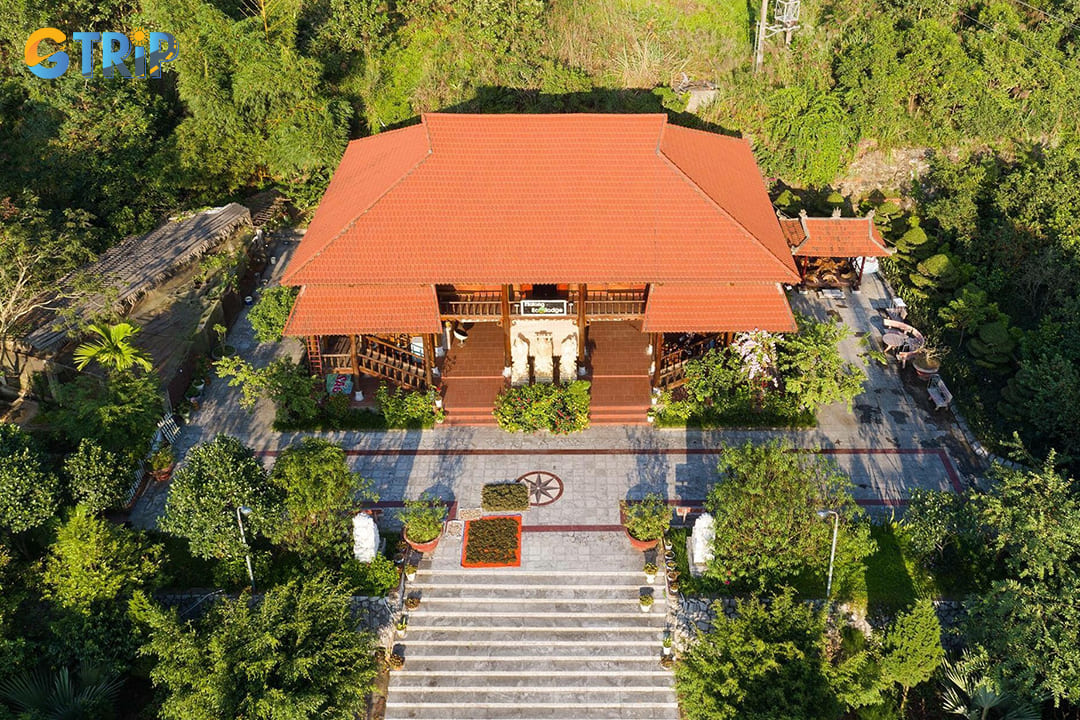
(727, 307)
(343, 310)
(543, 198)
(834, 237)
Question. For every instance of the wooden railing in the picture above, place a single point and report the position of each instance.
(673, 362)
(487, 305)
(385, 360)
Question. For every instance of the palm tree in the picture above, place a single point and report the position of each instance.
(970, 693)
(60, 696)
(113, 350)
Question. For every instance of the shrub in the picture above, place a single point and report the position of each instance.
(269, 315)
(505, 497)
(648, 518)
(407, 410)
(423, 518)
(28, 493)
(492, 541)
(561, 409)
(97, 478)
(377, 577)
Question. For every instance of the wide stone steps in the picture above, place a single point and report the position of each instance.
(495, 644)
(419, 709)
(537, 621)
(640, 677)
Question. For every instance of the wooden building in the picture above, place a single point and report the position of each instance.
(472, 251)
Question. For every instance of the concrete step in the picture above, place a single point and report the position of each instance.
(465, 679)
(620, 602)
(597, 635)
(452, 598)
(633, 619)
(466, 708)
(615, 661)
(483, 578)
(564, 651)
(534, 696)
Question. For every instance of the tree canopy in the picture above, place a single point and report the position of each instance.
(294, 653)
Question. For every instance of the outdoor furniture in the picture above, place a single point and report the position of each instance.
(913, 340)
(939, 393)
(893, 340)
(898, 310)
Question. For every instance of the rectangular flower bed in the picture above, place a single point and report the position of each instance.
(492, 542)
(505, 497)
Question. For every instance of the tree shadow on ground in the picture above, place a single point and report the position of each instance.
(889, 585)
(496, 99)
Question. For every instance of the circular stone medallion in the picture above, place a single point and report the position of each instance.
(544, 487)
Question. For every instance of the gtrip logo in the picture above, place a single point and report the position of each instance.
(116, 48)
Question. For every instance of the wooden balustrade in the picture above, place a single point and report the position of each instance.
(485, 305)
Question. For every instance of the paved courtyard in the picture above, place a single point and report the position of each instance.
(890, 442)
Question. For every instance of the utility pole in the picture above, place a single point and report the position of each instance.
(759, 50)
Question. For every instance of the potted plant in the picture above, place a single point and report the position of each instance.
(645, 602)
(222, 350)
(668, 546)
(402, 626)
(646, 521)
(673, 576)
(927, 362)
(423, 521)
(162, 461)
(667, 661)
(410, 572)
(650, 573)
(673, 589)
(395, 661)
(667, 645)
(412, 602)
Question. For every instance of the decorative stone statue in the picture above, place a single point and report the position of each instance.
(700, 541)
(365, 537)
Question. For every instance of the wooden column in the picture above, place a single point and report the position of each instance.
(658, 357)
(858, 277)
(429, 357)
(582, 322)
(508, 358)
(355, 361)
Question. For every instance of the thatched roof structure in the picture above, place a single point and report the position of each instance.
(139, 264)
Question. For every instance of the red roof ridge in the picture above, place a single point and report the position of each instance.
(291, 272)
(682, 173)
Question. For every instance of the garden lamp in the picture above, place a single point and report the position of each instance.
(823, 515)
(244, 511)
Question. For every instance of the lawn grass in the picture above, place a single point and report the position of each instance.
(892, 580)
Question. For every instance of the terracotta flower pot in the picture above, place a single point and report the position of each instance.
(641, 545)
(925, 368)
(421, 547)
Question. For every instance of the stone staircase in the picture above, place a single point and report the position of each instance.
(511, 643)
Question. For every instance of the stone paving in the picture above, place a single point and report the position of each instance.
(890, 442)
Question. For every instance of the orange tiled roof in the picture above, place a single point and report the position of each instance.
(373, 309)
(543, 198)
(834, 237)
(727, 307)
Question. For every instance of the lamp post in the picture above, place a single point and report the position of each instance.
(242, 512)
(822, 515)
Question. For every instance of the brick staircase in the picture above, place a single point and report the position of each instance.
(510, 643)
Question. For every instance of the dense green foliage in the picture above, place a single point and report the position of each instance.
(762, 379)
(504, 497)
(219, 477)
(1019, 541)
(296, 653)
(765, 519)
(407, 410)
(269, 315)
(560, 409)
(289, 385)
(97, 478)
(781, 659)
(119, 413)
(28, 490)
(766, 662)
(320, 494)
